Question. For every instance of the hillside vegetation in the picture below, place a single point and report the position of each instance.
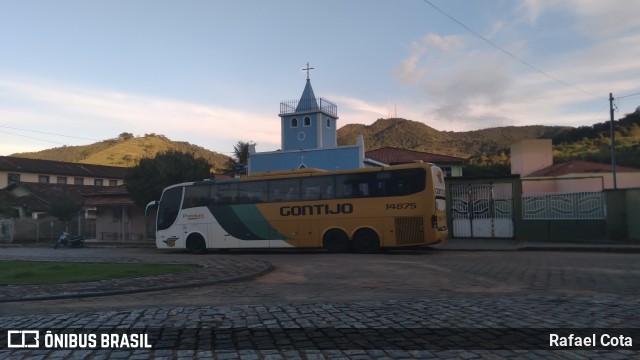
(126, 151)
(593, 143)
(415, 135)
(487, 151)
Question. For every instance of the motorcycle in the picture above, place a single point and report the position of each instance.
(68, 240)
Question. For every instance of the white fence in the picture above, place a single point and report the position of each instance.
(564, 206)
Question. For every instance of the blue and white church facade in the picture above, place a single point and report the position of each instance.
(309, 138)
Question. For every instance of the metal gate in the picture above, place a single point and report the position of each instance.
(6, 230)
(482, 210)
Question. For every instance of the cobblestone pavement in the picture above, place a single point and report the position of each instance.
(399, 305)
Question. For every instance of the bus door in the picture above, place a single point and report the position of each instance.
(306, 230)
(440, 198)
(219, 238)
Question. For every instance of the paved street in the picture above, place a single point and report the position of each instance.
(401, 304)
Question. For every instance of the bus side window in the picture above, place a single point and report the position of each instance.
(405, 182)
(284, 190)
(352, 186)
(252, 192)
(226, 194)
(195, 196)
(316, 188)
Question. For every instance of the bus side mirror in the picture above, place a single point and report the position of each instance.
(154, 203)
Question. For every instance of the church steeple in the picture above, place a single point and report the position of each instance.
(308, 99)
(309, 123)
(309, 137)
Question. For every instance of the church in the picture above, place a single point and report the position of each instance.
(309, 138)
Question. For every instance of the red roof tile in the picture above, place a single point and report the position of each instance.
(110, 195)
(579, 167)
(393, 155)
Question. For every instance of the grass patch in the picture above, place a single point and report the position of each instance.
(44, 272)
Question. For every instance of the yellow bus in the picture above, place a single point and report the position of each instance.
(360, 210)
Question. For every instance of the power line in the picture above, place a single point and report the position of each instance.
(626, 96)
(509, 53)
(33, 138)
(47, 133)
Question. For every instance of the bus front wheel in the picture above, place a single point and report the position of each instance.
(196, 244)
(336, 241)
(366, 241)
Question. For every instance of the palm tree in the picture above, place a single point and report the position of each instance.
(240, 156)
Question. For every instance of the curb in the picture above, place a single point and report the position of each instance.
(563, 247)
(267, 267)
(586, 248)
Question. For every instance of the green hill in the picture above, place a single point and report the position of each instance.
(415, 135)
(592, 143)
(125, 151)
(486, 150)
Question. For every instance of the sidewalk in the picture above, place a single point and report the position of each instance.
(471, 244)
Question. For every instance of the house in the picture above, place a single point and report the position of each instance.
(32, 200)
(116, 215)
(309, 138)
(450, 165)
(533, 161)
(28, 187)
(28, 204)
(108, 213)
(21, 170)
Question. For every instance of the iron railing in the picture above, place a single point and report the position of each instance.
(294, 106)
(564, 206)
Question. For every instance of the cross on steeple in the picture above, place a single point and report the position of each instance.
(307, 70)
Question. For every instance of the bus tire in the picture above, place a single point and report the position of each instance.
(366, 241)
(336, 241)
(196, 244)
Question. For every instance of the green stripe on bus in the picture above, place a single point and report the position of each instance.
(245, 222)
(253, 218)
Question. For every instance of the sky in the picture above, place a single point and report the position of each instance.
(214, 72)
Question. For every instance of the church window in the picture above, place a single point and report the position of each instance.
(307, 121)
(294, 122)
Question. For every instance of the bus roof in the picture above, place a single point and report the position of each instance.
(279, 174)
(286, 172)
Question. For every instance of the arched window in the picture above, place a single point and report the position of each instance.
(328, 123)
(294, 122)
(307, 121)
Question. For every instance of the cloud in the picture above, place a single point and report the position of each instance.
(358, 111)
(585, 49)
(410, 71)
(595, 18)
(468, 89)
(101, 114)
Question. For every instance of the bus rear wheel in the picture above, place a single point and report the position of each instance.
(366, 241)
(336, 241)
(196, 244)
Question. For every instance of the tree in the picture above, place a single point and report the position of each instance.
(125, 136)
(146, 181)
(6, 208)
(65, 208)
(240, 156)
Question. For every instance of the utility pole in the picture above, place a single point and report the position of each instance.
(613, 143)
